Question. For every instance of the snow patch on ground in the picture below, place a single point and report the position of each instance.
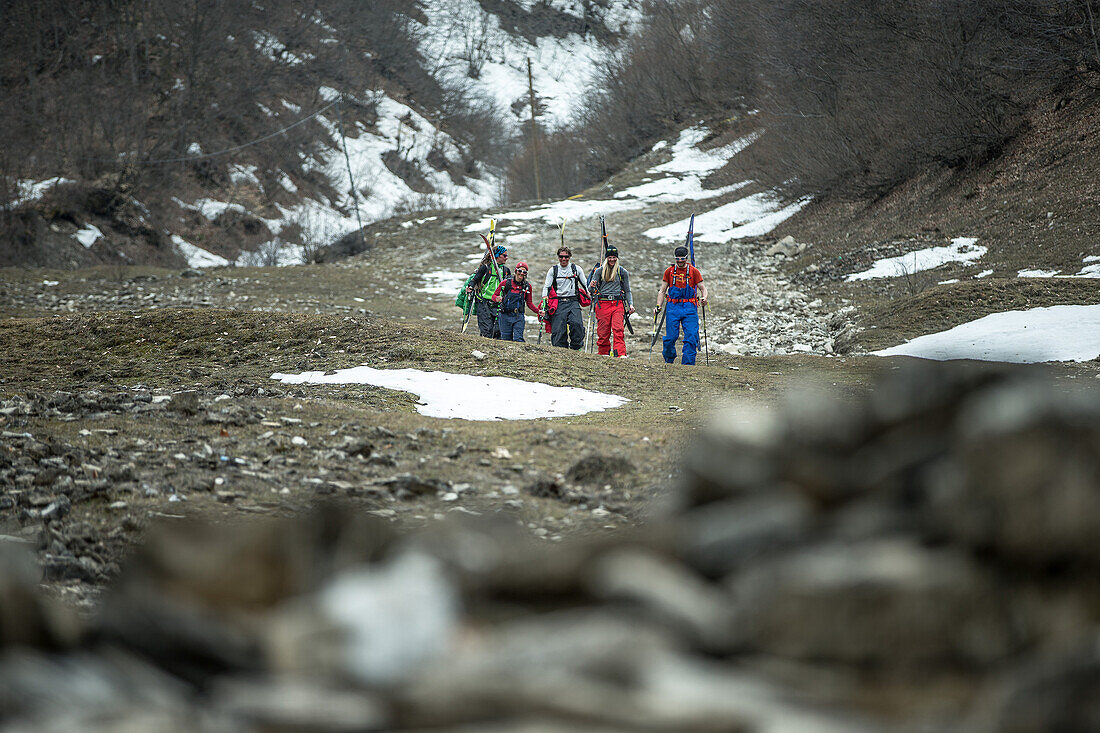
(1057, 333)
(27, 190)
(961, 249)
(460, 37)
(752, 216)
(197, 257)
(89, 235)
(1037, 273)
(1090, 270)
(983, 273)
(443, 282)
(691, 164)
(470, 397)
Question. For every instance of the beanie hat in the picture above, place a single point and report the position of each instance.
(612, 251)
(500, 249)
(681, 251)
(523, 265)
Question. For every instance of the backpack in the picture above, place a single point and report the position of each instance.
(582, 290)
(489, 284)
(462, 299)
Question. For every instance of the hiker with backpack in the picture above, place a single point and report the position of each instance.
(609, 284)
(512, 295)
(683, 289)
(565, 294)
(482, 287)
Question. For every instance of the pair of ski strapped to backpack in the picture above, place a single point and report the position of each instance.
(465, 301)
(660, 316)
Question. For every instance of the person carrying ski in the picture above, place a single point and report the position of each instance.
(609, 284)
(511, 295)
(682, 286)
(566, 323)
(483, 286)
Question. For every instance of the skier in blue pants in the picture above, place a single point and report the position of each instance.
(683, 289)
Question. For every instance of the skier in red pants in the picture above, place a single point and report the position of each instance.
(609, 284)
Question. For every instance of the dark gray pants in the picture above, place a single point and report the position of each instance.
(567, 314)
(487, 312)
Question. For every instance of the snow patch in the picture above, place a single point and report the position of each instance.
(984, 273)
(89, 235)
(470, 397)
(27, 190)
(752, 216)
(1037, 273)
(961, 249)
(197, 257)
(443, 282)
(1090, 270)
(1057, 333)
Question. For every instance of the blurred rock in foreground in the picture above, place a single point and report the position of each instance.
(925, 558)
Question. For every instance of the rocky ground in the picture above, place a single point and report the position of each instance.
(920, 558)
(133, 399)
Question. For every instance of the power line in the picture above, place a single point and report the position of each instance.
(219, 153)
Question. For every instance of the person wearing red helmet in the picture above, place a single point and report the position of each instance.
(513, 294)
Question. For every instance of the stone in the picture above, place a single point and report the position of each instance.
(599, 469)
(669, 591)
(409, 485)
(882, 602)
(186, 402)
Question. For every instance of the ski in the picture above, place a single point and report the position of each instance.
(703, 307)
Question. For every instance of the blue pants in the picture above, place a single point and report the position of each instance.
(677, 315)
(511, 326)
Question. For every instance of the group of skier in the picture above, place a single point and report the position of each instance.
(500, 297)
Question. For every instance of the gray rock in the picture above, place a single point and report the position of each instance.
(185, 402)
(886, 602)
(724, 536)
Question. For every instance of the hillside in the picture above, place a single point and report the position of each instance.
(1032, 208)
(254, 476)
(414, 106)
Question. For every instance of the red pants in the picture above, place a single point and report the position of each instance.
(609, 322)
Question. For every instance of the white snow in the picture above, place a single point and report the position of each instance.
(470, 397)
(27, 190)
(1090, 270)
(443, 282)
(1057, 333)
(89, 235)
(1037, 273)
(752, 216)
(688, 158)
(197, 256)
(689, 165)
(961, 249)
(984, 273)
(239, 174)
(562, 68)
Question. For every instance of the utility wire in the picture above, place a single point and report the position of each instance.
(233, 149)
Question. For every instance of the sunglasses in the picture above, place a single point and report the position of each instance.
(564, 257)
(681, 259)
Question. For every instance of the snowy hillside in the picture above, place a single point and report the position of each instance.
(470, 45)
(403, 153)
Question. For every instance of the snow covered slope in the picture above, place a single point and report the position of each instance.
(468, 48)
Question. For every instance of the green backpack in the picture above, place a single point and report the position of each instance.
(462, 298)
